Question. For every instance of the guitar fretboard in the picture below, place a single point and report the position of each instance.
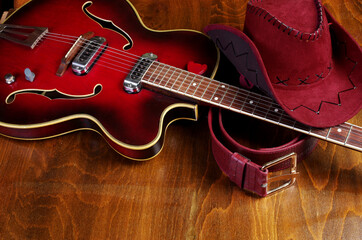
(219, 94)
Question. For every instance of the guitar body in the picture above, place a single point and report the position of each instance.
(133, 124)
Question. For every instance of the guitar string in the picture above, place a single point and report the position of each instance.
(115, 50)
(81, 43)
(88, 40)
(167, 76)
(292, 121)
(104, 56)
(122, 53)
(276, 106)
(347, 128)
(266, 99)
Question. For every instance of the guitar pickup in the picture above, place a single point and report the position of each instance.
(132, 83)
(89, 55)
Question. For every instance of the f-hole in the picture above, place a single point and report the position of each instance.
(108, 25)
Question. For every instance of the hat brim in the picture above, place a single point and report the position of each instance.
(326, 103)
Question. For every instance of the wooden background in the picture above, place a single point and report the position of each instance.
(77, 187)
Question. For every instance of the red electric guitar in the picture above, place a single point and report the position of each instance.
(92, 65)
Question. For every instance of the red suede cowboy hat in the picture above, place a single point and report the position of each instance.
(298, 54)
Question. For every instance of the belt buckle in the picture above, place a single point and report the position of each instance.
(291, 175)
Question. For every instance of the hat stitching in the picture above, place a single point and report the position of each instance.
(330, 67)
(291, 29)
(339, 103)
(285, 29)
(302, 82)
(316, 34)
(320, 105)
(270, 18)
(338, 95)
(282, 81)
(318, 77)
(218, 42)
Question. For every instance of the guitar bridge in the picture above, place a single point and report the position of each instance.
(132, 83)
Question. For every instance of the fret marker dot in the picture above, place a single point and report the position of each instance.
(194, 84)
(222, 86)
(216, 98)
(276, 110)
(251, 102)
(339, 130)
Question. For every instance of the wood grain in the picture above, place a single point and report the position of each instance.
(77, 187)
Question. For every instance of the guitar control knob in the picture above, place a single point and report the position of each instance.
(9, 78)
(29, 75)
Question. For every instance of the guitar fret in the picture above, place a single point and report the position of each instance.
(250, 105)
(156, 72)
(164, 74)
(243, 101)
(193, 83)
(281, 117)
(261, 112)
(233, 100)
(274, 113)
(338, 134)
(262, 108)
(329, 131)
(218, 95)
(215, 93)
(256, 104)
(175, 85)
(170, 78)
(197, 94)
(319, 132)
(212, 91)
(185, 83)
(227, 98)
(349, 132)
(149, 71)
(223, 96)
(197, 82)
(354, 137)
(170, 85)
(206, 89)
(153, 68)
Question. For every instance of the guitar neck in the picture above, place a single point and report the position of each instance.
(211, 92)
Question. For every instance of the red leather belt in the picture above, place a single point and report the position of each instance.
(251, 169)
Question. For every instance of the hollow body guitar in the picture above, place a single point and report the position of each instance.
(113, 58)
(51, 105)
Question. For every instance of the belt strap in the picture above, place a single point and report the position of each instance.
(250, 168)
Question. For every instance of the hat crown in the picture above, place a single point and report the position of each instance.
(292, 39)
